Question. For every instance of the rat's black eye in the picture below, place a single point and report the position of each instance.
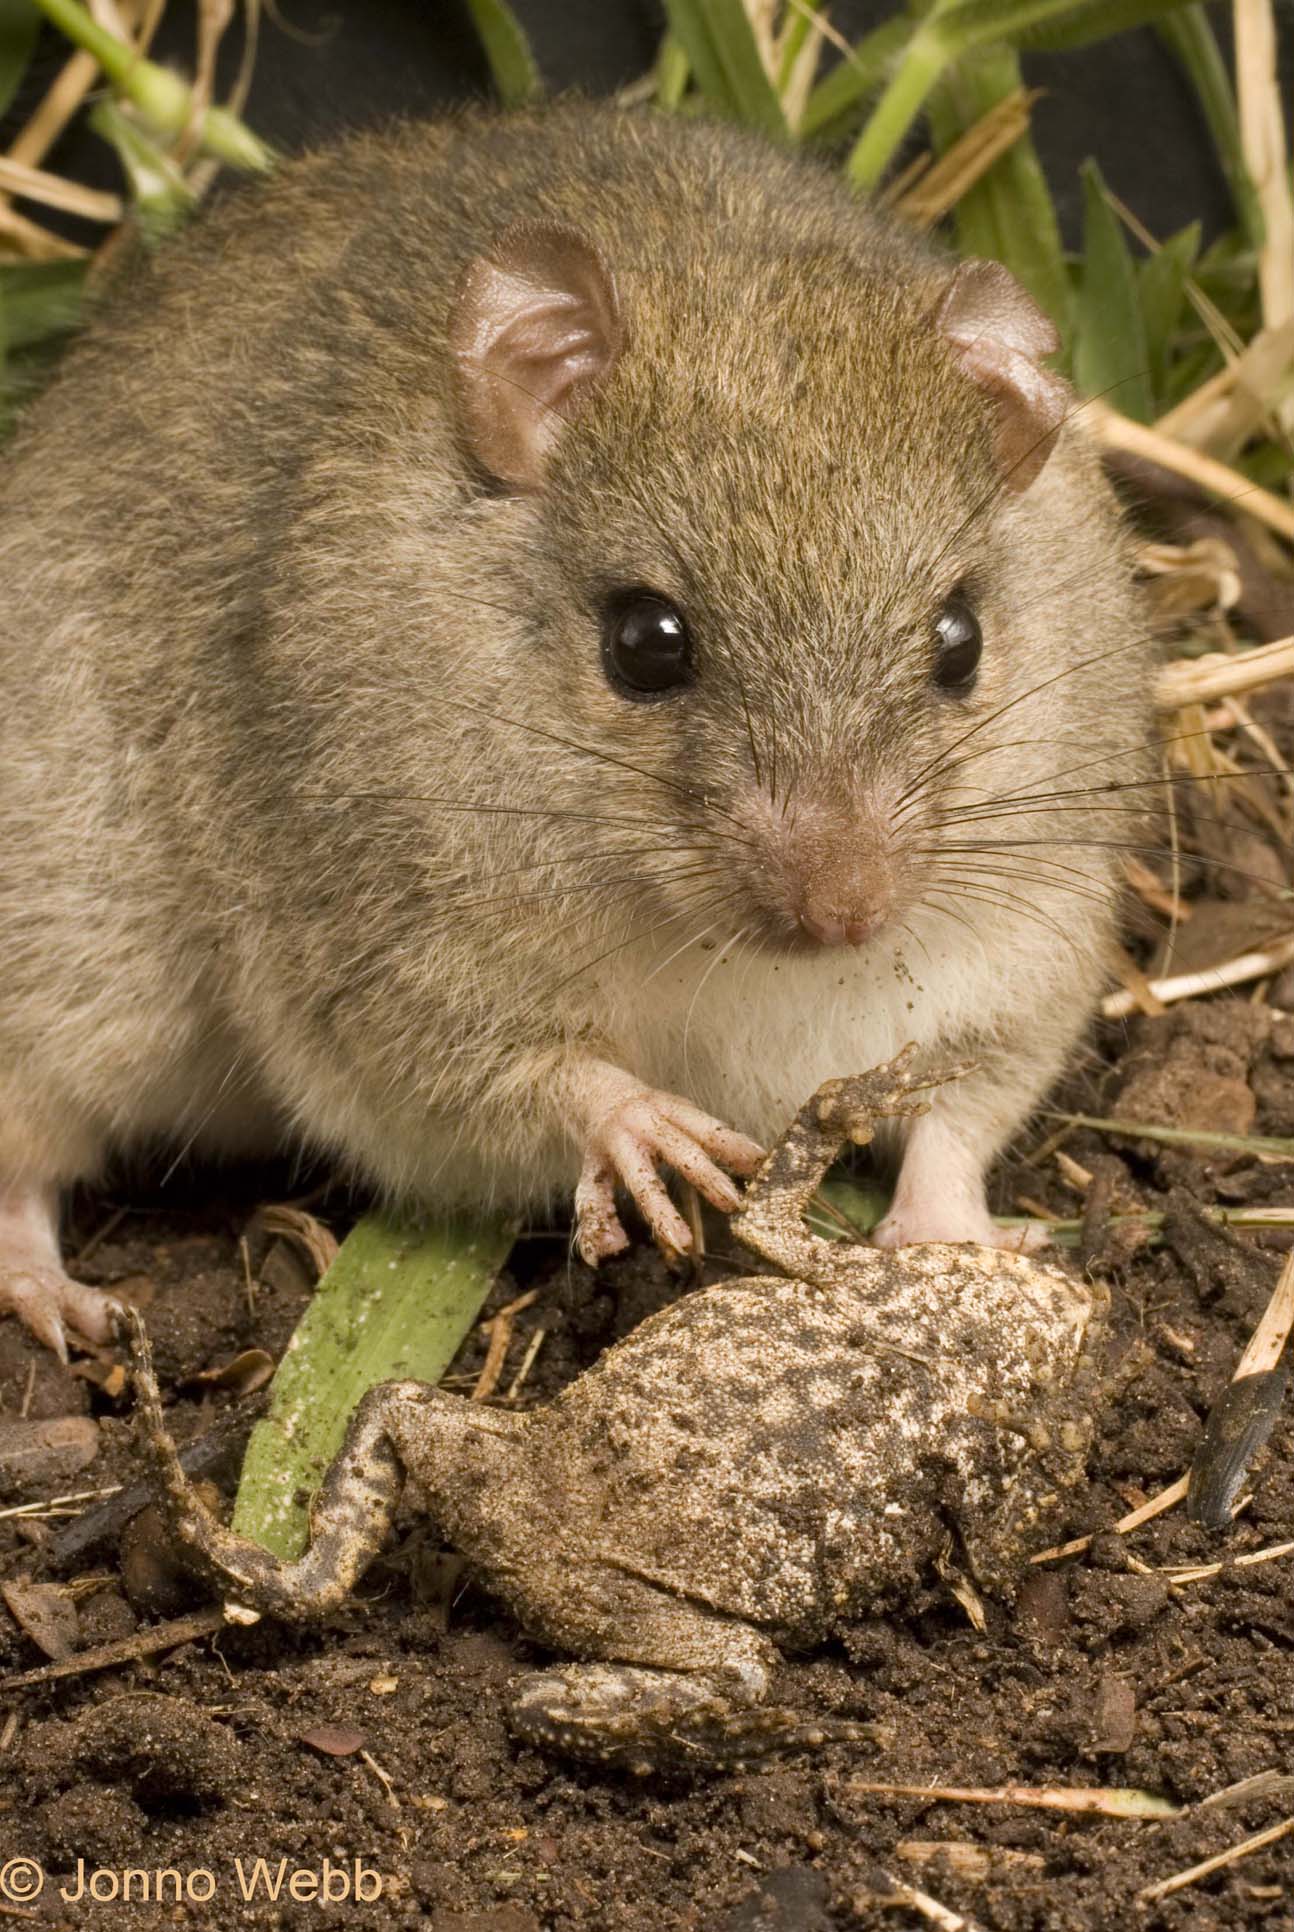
(646, 649)
(958, 653)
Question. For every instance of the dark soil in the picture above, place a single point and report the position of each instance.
(1102, 1673)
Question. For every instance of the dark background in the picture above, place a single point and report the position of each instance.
(327, 65)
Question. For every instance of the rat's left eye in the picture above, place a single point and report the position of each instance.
(960, 643)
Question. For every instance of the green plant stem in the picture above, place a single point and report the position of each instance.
(921, 66)
(854, 78)
(673, 71)
(162, 97)
(1193, 44)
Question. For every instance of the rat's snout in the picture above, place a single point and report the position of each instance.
(849, 924)
(832, 871)
(845, 898)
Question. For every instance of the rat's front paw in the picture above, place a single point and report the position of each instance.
(48, 1302)
(642, 1130)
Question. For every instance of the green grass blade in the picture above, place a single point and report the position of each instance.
(397, 1301)
(1161, 280)
(19, 26)
(1110, 354)
(671, 73)
(40, 299)
(1008, 214)
(1276, 1145)
(1190, 39)
(720, 44)
(1090, 21)
(854, 80)
(513, 67)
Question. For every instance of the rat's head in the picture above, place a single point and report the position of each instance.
(773, 520)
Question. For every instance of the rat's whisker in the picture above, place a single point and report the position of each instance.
(597, 856)
(473, 807)
(936, 764)
(1000, 901)
(1111, 845)
(603, 757)
(618, 887)
(1071, 884)
(631, 939)
(721, 953)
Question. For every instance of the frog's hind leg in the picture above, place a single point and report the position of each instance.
(705, 1714)
(350, 1518)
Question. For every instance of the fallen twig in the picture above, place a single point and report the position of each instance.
(1186, 986)
(1156, 1506)
(1193, 1873)
(144, 1643)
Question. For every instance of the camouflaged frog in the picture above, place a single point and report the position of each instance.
(752, 1468)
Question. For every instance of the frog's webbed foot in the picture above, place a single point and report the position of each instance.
(641, 1130)
(350, 1519)
(631, 1719)
(848, 1109)
(33, 1283)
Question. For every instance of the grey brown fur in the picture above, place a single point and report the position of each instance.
(753, 1467)
(307, 824)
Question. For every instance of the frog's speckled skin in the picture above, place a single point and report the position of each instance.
(753, 1466)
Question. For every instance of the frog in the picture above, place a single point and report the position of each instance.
(753, 1468)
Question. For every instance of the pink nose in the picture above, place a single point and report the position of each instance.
(838, 928)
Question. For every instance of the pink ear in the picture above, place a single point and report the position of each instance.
(999, 334)
(535, 328)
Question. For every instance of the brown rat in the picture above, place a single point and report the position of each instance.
(524, 618)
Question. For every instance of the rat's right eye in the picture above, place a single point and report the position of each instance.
(646, 648)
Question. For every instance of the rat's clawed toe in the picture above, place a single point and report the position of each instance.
(48, 1303)
(641, 1132)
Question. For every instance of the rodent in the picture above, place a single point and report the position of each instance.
(513, 634)
(760, 1464)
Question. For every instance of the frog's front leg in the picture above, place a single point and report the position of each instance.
(771, 1217)
(708, 1715)
(349, 1521)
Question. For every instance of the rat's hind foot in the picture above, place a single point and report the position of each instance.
(641, 1721)
(33, 1283)
(641, 1130)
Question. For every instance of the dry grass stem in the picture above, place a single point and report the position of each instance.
(1110, 1800)
(1194, 1873)
(31, 243)
(518, 1381)
(942, 186)
(924, 1906)
(1154, 1506)
(499, 1329)
(1262, 137)
(1110, 430)
(1224, 411)
(1205, 680)
(1154, 893)
(1267, 1343)
(1202, 1572)
(1188, 986)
